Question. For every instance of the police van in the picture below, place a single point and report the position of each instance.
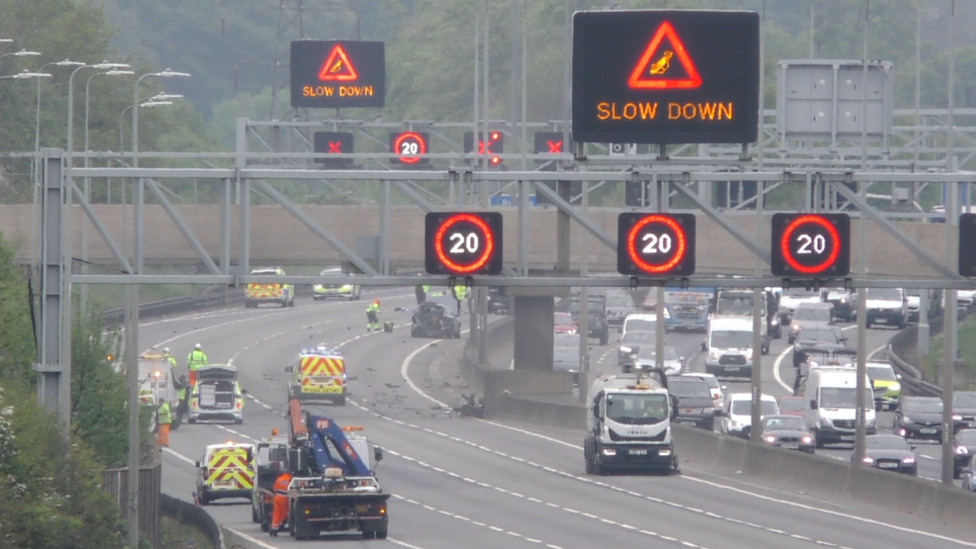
(225, 470)
(318, 374)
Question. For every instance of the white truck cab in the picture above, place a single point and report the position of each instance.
(628, 422)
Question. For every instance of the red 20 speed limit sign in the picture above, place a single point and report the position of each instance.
(463, 243)
(656, 244)
(810, 245)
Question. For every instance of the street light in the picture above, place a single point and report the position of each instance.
(112, 72)
(167, 73)
(103, 66)
(149, 102)
(21, 53)
(37, 122)
(24, 75)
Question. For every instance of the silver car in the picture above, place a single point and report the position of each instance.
(647, 360)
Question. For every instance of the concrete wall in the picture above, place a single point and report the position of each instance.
(278, 238)
(533, 333)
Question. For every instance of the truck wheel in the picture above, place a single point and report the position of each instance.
(381, 533)
(604, 337)
(340, 400)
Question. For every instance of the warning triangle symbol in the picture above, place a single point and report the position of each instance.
(657, 67)
(338, 67)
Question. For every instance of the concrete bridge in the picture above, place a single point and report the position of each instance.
(277, 238)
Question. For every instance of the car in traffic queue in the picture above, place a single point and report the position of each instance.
(225, 470)
(790, 298)
(322, 290)
(498, 302)
(845, 306)
(968, 475)
(964, 409)
(886, 306)
(596, 316)
(639, 322)
(563, 323)
(822, 354)
(790, 405)
(963, 449)
(886, 385)
(737, 415)
(890, 453)
(788, 432)
(647, 361)
(714, 387)
(814, 337)
(694, 402)
(919, 418)
(619, 305)
(809, 315)
(630, 345)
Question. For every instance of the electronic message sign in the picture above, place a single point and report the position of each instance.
(496, 145)
(811, 245)
(660, 76)
(407, 146)
(463, 243)
(337, 74)
(656, 244)
(967, 244)
(333, 144)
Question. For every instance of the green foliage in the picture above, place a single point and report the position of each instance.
(17, 336)
(50, 492)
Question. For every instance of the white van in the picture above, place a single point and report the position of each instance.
(830, 404)
(729, 347)
(639, 322)
(888, 306)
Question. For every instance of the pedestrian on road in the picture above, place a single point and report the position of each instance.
(373, 316)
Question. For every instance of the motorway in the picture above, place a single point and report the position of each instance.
(464, 482)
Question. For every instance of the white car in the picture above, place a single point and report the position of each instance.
(647, 360)
(737, 415)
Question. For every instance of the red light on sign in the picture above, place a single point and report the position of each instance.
(555, 146)
(496, 145)
(651, 71)
(656, 244)
(407, 146)
(463, 243)
(337, 67)
(810, 245)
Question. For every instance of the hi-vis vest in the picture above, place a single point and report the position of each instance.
(321, 374)
(228, 468)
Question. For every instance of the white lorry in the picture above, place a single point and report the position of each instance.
(628, 422)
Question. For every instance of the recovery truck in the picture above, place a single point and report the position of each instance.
(334, 486)
(628, 420)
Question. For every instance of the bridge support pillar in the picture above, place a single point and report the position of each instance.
(533, 332)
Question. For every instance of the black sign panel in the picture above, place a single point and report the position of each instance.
(811, 245)
(408, 146)
(496, 146)
(333, 144)
(666, 76)
(463, 243)
(551, 143)
(656, 244)
(967, 244)
(337, 74)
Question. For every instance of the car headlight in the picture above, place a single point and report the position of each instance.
(625, 350)
(807, 439)
(749, 354)
(774, 322)
(795, 327)
(843, 300)
(713, 355)
(868, 459)
(896, 387)
(609, 451)
(908, 459)
(770, 439)
(962, 450)
(956, 417)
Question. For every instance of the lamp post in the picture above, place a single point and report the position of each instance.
(21, 53)
(83, 297)
(148, 102)
(135, 107)
(103, 66)
(37, 121)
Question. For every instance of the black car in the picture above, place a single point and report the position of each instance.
(919, 417)
(630, 346)
(789, 432)
(435, 320)
(964, 410)
(890, 453)
(814, 336)
(596, 316)
(845, 306)
(498, 302)
(694, 402)
(964, 448)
